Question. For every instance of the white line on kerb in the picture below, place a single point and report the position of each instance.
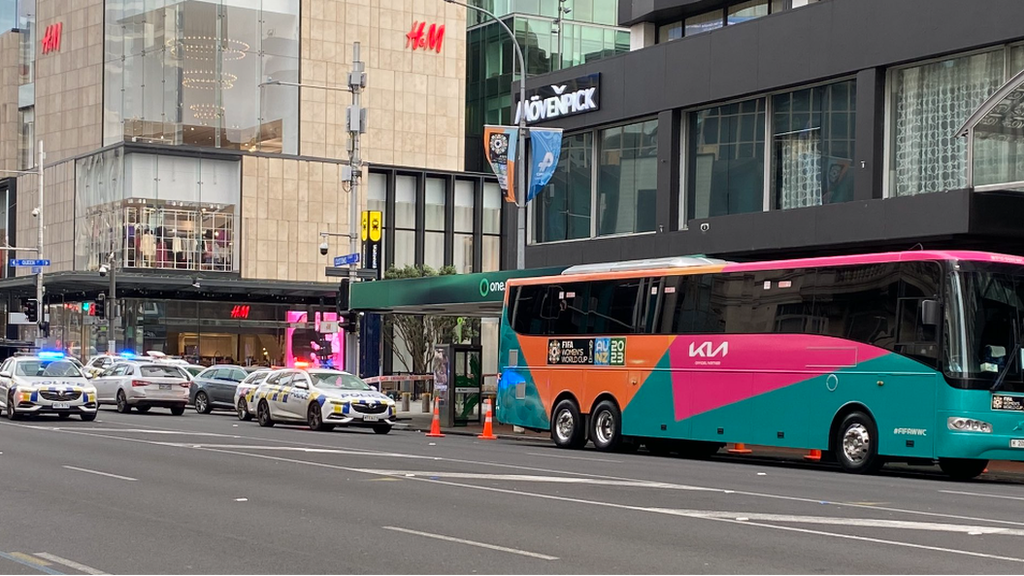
(87, 471)
(980, 494)
(69, 563)
(472, 543)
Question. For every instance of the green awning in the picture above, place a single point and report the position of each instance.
(478, 294)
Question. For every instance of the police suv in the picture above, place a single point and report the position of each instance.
(46, 383)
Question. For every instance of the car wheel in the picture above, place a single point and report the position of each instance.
(315, 418)
(243, 411)
(382, 429)
(202, 403)
(567, 429)
(178, 410)
(122, 403)
(857, 444)
(142, 409)
(88, 416)
(962, 468)
(12, 412)
(64, 415)
(263, 414)
(606, 426)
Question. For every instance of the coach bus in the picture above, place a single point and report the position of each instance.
(905, 356)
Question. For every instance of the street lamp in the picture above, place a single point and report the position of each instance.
(110, 267)
(37, 212)
(521, 188)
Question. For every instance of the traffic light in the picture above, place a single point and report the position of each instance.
(99, 308)
(342, 301)
(31, 308)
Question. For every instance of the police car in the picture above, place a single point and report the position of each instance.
(322, 399)
(46, 383)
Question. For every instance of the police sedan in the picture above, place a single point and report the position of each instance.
(321, 399)
(45, 384)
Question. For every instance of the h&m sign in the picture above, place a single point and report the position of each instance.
(51, 38)
(577, 96)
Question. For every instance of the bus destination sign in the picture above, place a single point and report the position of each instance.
(587, 351)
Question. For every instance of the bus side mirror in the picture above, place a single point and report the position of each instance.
(931, 312)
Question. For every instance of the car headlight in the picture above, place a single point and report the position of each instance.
(960, 424)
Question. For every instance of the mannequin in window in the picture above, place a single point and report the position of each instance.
(148, 246)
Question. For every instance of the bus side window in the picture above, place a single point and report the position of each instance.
(614, 306)
(916, 338)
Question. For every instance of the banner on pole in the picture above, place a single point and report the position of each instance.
(500, 148)
(546, 147)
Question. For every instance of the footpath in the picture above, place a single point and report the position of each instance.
(417, 421)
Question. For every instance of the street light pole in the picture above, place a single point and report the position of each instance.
(41, 320)
(356, 120)
(521, 153)
(111, 304)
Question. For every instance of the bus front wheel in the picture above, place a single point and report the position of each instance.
(567, 430)
(962, 468)
(856, 444)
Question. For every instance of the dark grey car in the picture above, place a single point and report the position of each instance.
(215, 387)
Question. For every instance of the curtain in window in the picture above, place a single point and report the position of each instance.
(800, 167)
(929, 103)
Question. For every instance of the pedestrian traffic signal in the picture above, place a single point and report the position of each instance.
(31, 308)
(99, 309)
(342, 301)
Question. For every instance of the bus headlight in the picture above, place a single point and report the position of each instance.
(960, 424)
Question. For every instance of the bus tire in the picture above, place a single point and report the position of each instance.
(962, 468)
(856, 444)
(567, 429)
(606, 427)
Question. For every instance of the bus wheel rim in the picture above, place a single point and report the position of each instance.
(856, 443)
(564, 425)
(605, 428)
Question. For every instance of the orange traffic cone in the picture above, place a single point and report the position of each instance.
(739, 448)
(814, 456)
(488, 426)
(435, 425)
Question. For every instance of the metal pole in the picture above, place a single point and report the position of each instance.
(356, 82)
(112, 306)
(521, 153)
(39, 246)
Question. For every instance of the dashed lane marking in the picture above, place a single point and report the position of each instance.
(472, 543)
(69, 563)
(533, 478)
(981, 495)
(98, 473)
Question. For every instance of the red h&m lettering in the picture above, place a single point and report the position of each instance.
(51, 39)
(426, 38)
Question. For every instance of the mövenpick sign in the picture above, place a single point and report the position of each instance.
(573, 97)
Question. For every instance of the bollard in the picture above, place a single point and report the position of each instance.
(426, 402)
(405, 401)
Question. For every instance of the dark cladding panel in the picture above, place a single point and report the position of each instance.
(688, 69)
(650, 73)
(734, 49)
(777, 32)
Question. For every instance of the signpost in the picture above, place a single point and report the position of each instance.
(346, 260)
(29, 263)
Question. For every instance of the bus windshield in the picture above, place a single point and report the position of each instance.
(992, 308)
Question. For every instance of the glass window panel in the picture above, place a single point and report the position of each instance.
(492, 208)
(929, 103)
(748, 11)
(405, 202)
(703, 22)
(405, 248)
(491, 254)
(562, 209)
(812, 144)
(464, 201)
(433, 249)
(725, 177)
(999, 138)
(377, 192)
(627, 183)
(462, 253)
(433, 204)
(672, 31)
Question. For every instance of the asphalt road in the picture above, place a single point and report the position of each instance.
(208, 494)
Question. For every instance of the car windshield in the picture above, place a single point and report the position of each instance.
(195, 370)
(39, 368)
(159, 371)
(990, 314)
(338, 381)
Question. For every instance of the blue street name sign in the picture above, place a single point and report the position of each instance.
(29, 263)
(346, 260)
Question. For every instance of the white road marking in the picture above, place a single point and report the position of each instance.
(472, 543)
(533, 478)
(560, 457)
(69, 563)
(982, 495)
(87, 471)
(144, 431)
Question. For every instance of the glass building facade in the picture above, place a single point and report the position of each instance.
(585, 34)
(196, 72)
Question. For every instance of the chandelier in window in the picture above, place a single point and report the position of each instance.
(208, 80)
(207, 48)
(206, 111)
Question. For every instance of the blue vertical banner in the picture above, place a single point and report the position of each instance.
(546, 146)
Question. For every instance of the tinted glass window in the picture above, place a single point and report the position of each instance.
(687, 306)
(613, 306)
(915, 338)
(160, 371)
(859, 303)
(550, 310)
(784, 302)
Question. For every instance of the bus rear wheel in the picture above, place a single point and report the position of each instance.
(567, 430)
(962, 468)
(606, 427)
(856, 444)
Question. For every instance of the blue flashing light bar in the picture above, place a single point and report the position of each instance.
(128, 354)
(49, 355)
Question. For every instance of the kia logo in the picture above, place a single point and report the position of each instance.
(708, 350)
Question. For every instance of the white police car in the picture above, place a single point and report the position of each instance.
(46, 383)
(322, 399)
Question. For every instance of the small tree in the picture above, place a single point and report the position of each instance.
(420, 333)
